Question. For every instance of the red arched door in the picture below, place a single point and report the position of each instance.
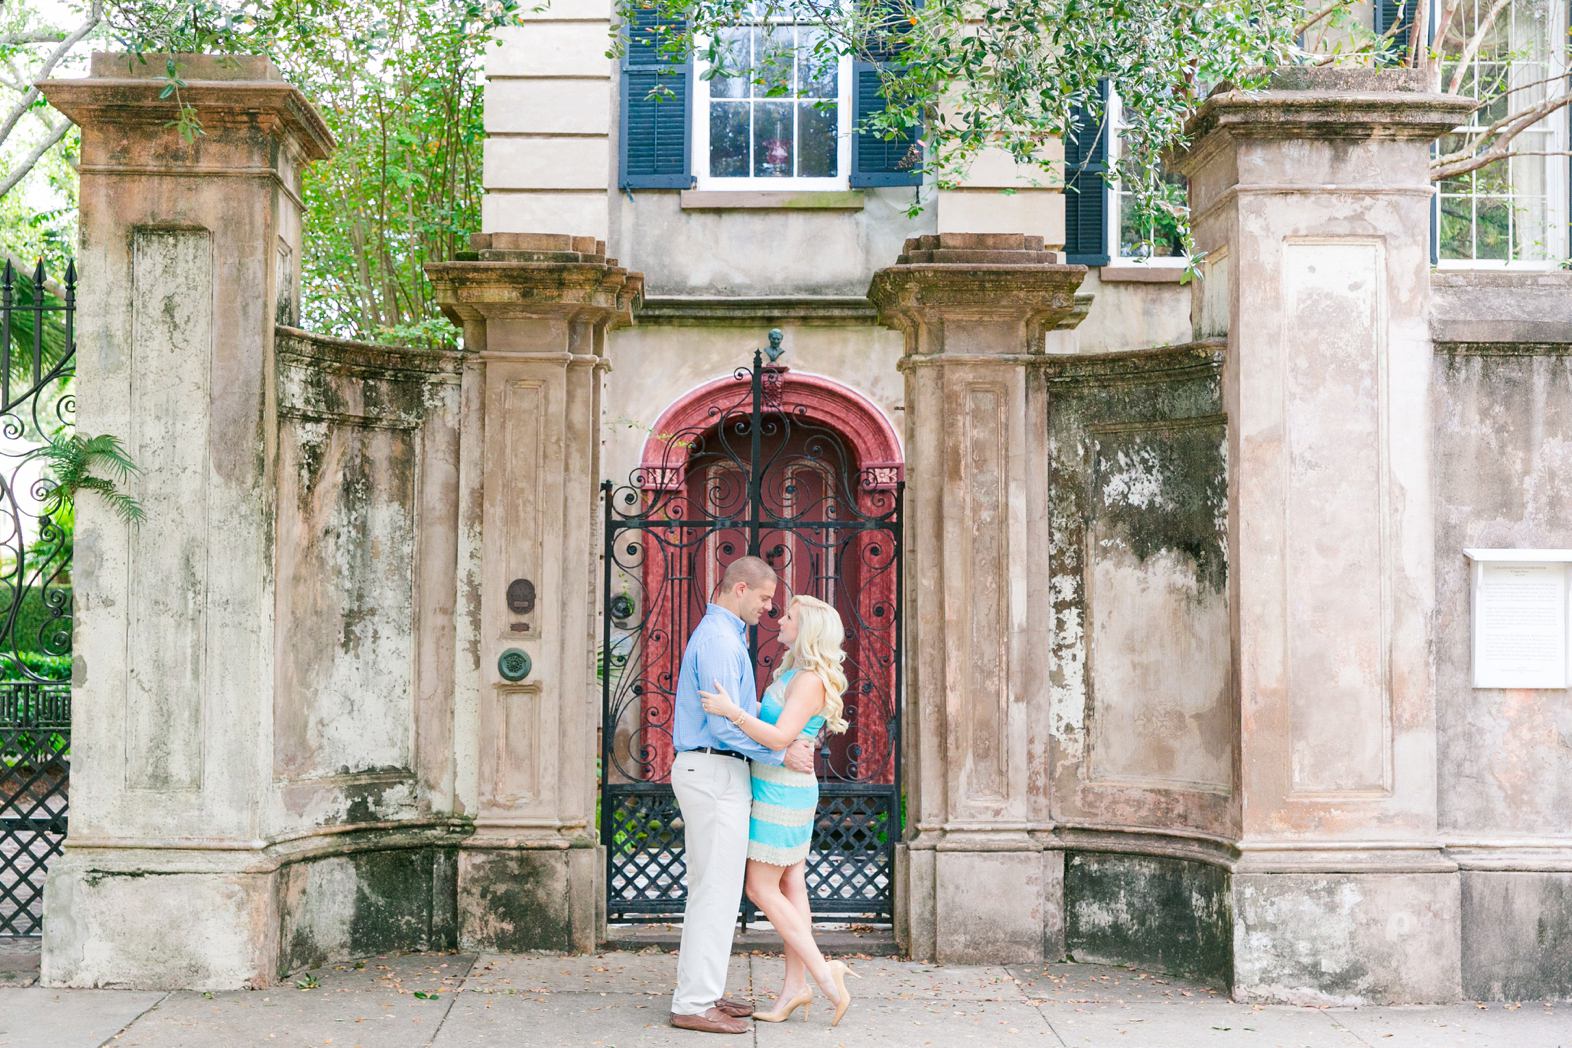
(805, 474)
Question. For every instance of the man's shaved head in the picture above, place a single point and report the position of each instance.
(751, 570)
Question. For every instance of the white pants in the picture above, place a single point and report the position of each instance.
(715, 794)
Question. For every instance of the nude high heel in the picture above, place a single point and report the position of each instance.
(839, 971)
(783, 1013)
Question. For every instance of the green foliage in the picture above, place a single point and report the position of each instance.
(71, 459)
(49, 667)
(1015, 75)
(399, 84)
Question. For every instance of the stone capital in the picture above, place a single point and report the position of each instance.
(536, 276)
(1300, 103)
(126, 120)
(945, 285)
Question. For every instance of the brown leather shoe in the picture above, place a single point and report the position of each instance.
(712, 1021)
(734, 1008)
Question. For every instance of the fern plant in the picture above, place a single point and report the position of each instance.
(75, 463)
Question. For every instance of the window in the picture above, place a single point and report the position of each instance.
(785, 122)
(1514, 210)
(1157, 239)
(795, 131)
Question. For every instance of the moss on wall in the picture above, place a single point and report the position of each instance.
(1166, 914)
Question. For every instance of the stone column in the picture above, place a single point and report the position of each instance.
(979, 879)
(1312, 204)
(536, 308)
(188, 255)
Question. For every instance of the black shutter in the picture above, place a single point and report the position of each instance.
(877, 161)
(657, 109)
(1399, 13)
(1086, 188)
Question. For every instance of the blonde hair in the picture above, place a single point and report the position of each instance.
(818, 649)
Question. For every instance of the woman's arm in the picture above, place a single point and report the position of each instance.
(804, 698)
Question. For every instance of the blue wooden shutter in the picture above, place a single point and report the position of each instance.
(877, 161)
(1086, 188)
(1399, 13)
(657, 110)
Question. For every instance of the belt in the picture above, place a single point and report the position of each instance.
(717, 752)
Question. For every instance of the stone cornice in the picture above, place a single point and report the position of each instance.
(577, 292)
(1306, 103)
(974, 277)
(249, 92)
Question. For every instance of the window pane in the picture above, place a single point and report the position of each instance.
(816, 72)
(817, 123)
(1457, 227)
(772, 139)
(1493, 232)
(773, 56)
(734, 57)
(729, 139)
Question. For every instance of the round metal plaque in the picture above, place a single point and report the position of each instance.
(514, 665)
(521, 596)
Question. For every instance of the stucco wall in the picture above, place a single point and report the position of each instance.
(1504, 479)
(1143, 729)
(655, 364)
(783, 250)
(1503, 419)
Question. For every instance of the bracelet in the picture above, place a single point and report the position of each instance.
(741, 716)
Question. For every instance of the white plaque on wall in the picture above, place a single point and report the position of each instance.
(1520, 617)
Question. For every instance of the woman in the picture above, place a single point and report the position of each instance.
(804, 697)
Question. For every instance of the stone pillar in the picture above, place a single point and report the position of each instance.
(1312, 205)
(979, 880)
(536, 308)
(188, 254)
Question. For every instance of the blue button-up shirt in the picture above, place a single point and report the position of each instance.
(717, 651)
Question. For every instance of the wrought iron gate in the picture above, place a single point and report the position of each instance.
(37, 407)
(759, 476)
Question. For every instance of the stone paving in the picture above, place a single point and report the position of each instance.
(619, 1000)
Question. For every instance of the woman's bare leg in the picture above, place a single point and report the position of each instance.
(794, 885)
(764, 888)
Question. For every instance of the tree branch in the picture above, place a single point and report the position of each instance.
(1471, 48)
(95, 13)
(35, 36)
(1325, 12)
(26, 163)
(1503, 131)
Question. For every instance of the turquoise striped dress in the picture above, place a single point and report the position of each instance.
(784, 801)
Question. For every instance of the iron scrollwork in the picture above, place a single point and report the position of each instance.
(37, 405)
(759, 475)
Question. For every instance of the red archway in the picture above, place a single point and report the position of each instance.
(824, 400)
(872, 469)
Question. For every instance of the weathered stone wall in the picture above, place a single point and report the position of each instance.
(1143, 727)
(367, 472)
(1503, 416)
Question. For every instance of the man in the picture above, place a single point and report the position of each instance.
(715, 792)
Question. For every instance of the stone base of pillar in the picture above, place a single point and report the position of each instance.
(167, 920)
(983, 906)
(513, 898)
(1159, 912)
(1517, 935)
(1339, 939)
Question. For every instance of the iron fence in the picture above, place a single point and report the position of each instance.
(37, 407)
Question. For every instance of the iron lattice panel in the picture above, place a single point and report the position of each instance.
(851, 864)
(35, 743)
(645, 869)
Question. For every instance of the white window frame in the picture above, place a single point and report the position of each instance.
(1112, 217)
(751, 183)
(1557, 189)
